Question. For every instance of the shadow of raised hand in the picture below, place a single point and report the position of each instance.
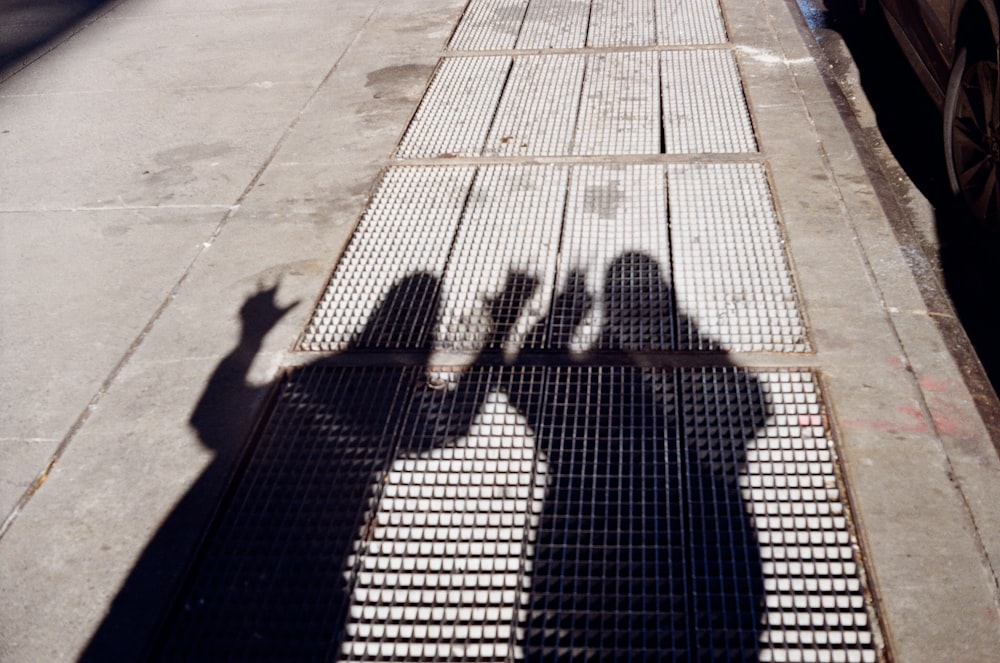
(228, 396)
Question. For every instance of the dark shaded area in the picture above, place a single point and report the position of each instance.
(643, 550)
(911, 126)
(26, 25)
(222, 419)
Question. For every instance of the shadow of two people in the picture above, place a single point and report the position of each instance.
(642, 548)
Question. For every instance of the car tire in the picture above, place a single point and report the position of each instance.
(972, 133)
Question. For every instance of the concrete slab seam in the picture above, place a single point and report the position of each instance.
(134, 346)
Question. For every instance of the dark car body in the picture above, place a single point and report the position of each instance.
(952, 46)
(927, 31)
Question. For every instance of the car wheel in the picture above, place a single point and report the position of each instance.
(972, 134)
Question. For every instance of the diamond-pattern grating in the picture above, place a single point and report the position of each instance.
(533, 512)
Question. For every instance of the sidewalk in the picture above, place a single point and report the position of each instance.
(597, 340)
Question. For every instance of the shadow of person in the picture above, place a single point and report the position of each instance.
(644, 550)
(279, 563)
(639, 544)
(222, 419)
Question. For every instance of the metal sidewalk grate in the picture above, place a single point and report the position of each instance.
(583, 105)
(508, 24)
(592, 512)
(704, 108)
(385, 289)
(689, 22)
(489, 25)
(537, 114)
(731, 274)
(455, 114)
(614, 272)
(620, 108)
(459, 259)
(621, 23)
(441, 575)
(555, 24)
(499, 281)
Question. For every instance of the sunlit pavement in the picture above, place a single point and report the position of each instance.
(543, 329)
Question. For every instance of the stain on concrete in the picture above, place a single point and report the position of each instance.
(400, 83)
(185, 154)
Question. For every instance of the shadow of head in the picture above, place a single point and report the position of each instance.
(637, 301)
(405, 317)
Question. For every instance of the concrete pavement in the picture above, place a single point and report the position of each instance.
(171, 159)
